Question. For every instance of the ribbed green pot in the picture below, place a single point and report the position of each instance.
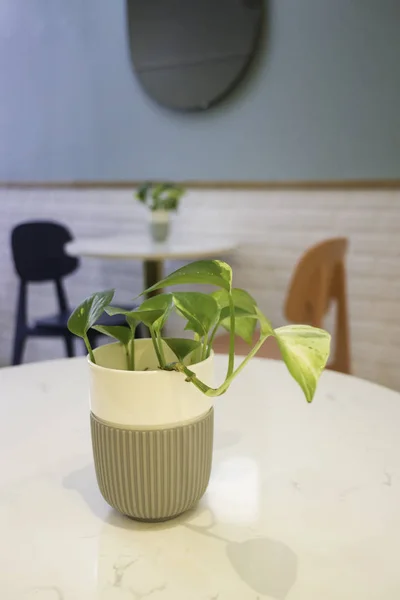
(153, 475)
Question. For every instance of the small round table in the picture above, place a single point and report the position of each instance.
(151, 253)
(303, 502)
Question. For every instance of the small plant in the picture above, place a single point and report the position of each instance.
(304, 349)
(160, 196)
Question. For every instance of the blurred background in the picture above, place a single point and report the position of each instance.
(278, 121)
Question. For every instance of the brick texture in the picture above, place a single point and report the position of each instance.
(272, 229)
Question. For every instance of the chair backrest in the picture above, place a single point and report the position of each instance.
(318, 280)
(38, 251)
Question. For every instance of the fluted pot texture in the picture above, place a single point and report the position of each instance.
(152, 432)
(160, 225)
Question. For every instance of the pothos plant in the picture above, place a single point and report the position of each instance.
(304, 349)
(160, 196)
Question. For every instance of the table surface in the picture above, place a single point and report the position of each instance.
(143, 248)
(303, 503)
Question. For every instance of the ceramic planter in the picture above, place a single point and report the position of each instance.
(160, 225)
(152, 433)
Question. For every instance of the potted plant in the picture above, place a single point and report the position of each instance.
(161, 199)
(152, 399)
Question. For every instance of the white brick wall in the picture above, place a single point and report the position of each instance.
(272, 227)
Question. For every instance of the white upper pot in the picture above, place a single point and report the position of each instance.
(145, 399)
(160, 216)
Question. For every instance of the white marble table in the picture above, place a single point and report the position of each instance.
(151, 253)
(303, 504)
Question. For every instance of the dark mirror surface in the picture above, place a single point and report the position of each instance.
(188, 54)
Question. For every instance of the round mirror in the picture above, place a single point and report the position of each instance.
(188, 54)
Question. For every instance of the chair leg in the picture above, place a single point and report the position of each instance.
(69, 345)
(20, 325)
(92, 337)
(141, 332)
(18, 350)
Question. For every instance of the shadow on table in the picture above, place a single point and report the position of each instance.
(267, 566)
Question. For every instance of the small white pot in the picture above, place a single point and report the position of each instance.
(160, 225)
(142, 399)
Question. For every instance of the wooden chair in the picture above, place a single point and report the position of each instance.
(318, 280)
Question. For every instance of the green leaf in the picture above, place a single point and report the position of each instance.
(305, 350)
(129, 315)
(169, 204)
(245, 313)
(238, 312)
(158, 188)
(167, 196)
(245, 326)
(241, 299)
(161, 302)
(115, 310)
(142, 192)
(209, 272)
(148, 317)
(118, 332)
(152, 312)
(87, 313)
(265, 325)
(201, 310)
(181, 347)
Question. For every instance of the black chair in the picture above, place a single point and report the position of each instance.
(39, 256)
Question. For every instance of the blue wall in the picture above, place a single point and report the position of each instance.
(322, 102)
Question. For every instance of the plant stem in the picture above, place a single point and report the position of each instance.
(222, 388)
(211, 339)
(231, 361)
(205, 346)
(198, 350)
(156, 348)
(212, 392)
(127, 357)
(89, 348)
(161, 348)
(132, 326)
(181, 368)
(131, 366)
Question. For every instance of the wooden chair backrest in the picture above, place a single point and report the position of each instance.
(318, 280)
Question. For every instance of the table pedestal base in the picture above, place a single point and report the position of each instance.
(153, 272)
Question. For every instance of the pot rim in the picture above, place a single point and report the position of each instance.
(158, 372)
